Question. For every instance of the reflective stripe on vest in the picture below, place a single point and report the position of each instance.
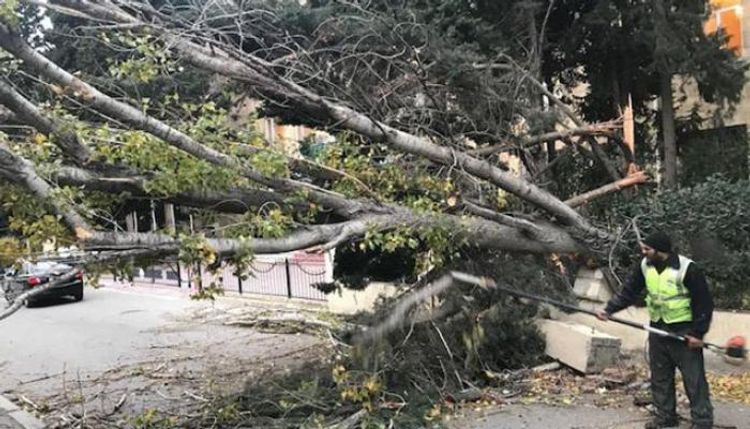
(667, 297)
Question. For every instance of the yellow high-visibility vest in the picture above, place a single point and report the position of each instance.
(668, 299)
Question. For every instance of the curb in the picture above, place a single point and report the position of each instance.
(19, 416)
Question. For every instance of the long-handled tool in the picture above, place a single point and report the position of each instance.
(735, 348)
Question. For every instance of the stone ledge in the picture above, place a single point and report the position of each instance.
(580, 347)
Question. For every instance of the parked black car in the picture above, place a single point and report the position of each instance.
(36, 274)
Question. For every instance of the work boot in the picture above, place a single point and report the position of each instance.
(662, 423)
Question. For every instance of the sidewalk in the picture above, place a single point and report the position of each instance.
(230, 298)
(585, 416)
(12, 417)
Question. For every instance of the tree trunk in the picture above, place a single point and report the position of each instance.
(668, 132)
(169, 220)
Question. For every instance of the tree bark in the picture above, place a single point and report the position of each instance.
(28, 113)
(21, 171)
(634, 179)
(169, 220)
(668, 132)
(601, 129)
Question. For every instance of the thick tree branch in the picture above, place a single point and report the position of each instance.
(228, 201)
(602, 158)
(234, 201)
(21, 171)
(599, 154)
(303, 238)
(30, 115)
(7, 116)
(634, 179)
(503, 219)
(469, 232)
(604, 128)
(136, 118)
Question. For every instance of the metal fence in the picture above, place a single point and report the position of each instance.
(290, 276)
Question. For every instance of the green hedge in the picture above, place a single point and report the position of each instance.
(710, 223)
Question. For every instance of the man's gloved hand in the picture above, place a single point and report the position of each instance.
(693, 342)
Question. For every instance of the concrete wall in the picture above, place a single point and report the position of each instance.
(349, 301)
(740, 116)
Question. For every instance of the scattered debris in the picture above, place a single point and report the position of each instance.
(290, 324)
(552, 366)
(730, 387)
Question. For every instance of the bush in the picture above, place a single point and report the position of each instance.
(710, 223)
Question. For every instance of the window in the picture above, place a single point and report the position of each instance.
(727, 16)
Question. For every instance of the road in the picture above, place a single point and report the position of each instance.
(117, 342)
(107, 328)
(586, 416)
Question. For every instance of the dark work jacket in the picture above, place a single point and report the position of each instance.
(701, 302)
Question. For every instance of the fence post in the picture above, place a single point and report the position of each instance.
(239, 280)
(199, 286)
(179, 275)
(288, 278)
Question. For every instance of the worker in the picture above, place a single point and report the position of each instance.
(678, 301)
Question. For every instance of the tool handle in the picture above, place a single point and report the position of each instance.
(663, 333)
(487, 282)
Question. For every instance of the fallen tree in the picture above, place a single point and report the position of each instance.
(259, 72)
(128, 103)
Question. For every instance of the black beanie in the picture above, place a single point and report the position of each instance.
(659, 241)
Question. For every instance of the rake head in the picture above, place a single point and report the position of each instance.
(735, 348)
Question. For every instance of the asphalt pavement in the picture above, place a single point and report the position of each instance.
(47, 352)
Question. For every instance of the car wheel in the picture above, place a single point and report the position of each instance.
(30, 303)
(78, 295)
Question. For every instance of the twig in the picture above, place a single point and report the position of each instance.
(350, 421)
(636, 229)
(334, 341)
(119, 404)
(408, 334)
(448, 349)
(610, 261)
(82, 399)
(169, 398)
(29, 402)
(46, 377)
(197, 397)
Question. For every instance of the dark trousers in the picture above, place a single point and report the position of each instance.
(666, 354)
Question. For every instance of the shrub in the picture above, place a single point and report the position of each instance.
(710, 223)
